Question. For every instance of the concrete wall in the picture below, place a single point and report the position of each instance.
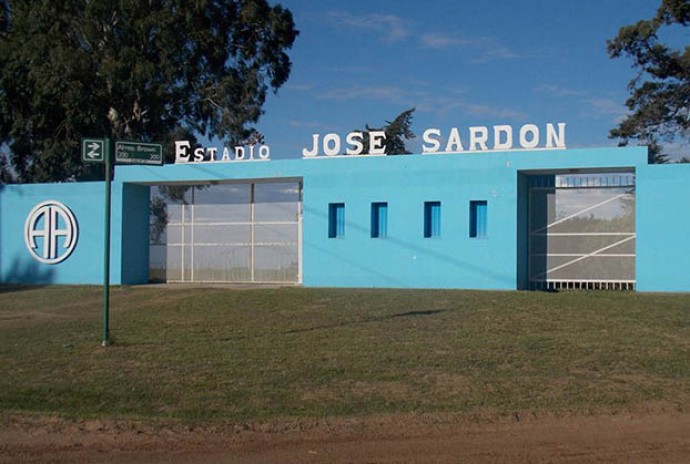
(130, 234)
(404, 258)
(84, 265)
(663, 228)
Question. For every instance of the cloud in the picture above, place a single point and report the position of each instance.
(607, 108)
(482, 49)
(440, 41)
(497, 112)
(391, 28)
(450, 100)
(351, 69)
(393, 94)
(553, 89)
(313, 125)
(298, 87)
(422, 100)
(491, 53)
(591, 106)
(445, 105)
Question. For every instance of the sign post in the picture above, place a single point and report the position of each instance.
(95, 150)
(106, 249)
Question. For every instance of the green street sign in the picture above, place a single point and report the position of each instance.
(93, 150)
(138, 153)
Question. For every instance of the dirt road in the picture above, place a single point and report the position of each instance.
(653, 437)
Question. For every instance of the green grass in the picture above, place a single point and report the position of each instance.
(260, 354)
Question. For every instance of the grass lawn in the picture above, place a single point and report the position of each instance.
(258, 354)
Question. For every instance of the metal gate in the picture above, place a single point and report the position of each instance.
(234, 232)
(582, 231)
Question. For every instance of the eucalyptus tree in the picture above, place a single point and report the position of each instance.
(137, 70)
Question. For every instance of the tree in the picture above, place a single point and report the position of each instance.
(660, 91)
(6, 176)
(396, 131)
(654, 152)
(136, 70)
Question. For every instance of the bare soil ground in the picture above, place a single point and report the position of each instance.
(646, 437)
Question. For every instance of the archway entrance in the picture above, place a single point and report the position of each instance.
(226, 232)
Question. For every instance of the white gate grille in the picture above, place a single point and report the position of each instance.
(247, 232)
(582, 231)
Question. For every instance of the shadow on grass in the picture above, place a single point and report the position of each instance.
(410, 314)
(10, 288)
(419, 313)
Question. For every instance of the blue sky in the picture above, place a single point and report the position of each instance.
(460, 63)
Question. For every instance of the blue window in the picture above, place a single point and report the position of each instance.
(478, 214)
(336, 220)
(379, 220)
(432, 219)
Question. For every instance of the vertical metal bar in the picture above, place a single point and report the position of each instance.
(191, 238)
(530, 247)
(251, 230)
(106, 248)
(299, 233)
(182, 238)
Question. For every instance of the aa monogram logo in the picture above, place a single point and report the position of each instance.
(50, 232)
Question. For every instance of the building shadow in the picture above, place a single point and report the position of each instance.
(26, 275)
(406, 314)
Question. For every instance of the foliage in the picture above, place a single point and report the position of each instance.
(654, 152)
(6, 176)
(396, 131)
(158, 206)
(660, 91)
(147, 71)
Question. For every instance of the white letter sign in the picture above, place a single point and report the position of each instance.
(481, 139)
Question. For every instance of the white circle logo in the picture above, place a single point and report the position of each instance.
(50, 232)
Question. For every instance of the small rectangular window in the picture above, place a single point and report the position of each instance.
(432, 219)
(336, 220)
(478, 213)
(379, 220)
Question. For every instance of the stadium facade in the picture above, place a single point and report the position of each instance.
(507, 216)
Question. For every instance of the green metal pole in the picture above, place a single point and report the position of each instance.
(106, 250)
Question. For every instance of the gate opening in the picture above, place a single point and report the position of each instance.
(226, 233)
(582, 231)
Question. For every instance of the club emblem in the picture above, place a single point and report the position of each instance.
(50, 232)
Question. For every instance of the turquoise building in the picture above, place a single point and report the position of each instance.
(527, 219)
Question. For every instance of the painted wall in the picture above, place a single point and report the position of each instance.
(404, 258)
(84, 265)
(663, 228)
(130, 234)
